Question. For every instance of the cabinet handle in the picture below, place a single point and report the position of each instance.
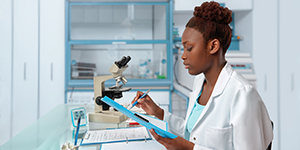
(24, 70)
(265, 82)
(292, 80)
(51, 71)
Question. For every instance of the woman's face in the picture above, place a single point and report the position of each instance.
(196, 57)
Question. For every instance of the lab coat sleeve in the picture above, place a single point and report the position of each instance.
(252, 127)
(175, 123)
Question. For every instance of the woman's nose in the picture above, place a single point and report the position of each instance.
(183, 57)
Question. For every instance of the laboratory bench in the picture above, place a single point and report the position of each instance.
(55, 129)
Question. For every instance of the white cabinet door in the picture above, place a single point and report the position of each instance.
(235, 5)
(52, 54)
(25, 64)
(289, 73)
(5, 69)
(266, 48)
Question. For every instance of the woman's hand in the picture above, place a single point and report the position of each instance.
(178, 143)
(148, 105)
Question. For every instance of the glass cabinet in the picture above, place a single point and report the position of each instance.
(118, 22)
(98, 33)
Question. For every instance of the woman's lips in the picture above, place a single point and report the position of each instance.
(186, 66)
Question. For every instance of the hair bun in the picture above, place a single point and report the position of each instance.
(214, 12)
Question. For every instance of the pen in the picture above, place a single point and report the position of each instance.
(140, 98)
(77, 130)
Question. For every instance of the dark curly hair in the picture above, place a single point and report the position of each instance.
(212, 20)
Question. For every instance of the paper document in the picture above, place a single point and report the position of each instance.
(157, 122)
(136, 145)
(116, 135)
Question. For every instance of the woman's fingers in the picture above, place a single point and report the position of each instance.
(138, 94)
(160, 139)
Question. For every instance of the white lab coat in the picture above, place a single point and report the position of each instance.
(234, 118)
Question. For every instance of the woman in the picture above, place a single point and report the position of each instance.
(225, 112)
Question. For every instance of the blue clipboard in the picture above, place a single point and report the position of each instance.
(138, 118)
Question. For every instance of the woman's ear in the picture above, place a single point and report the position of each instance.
(214, 46)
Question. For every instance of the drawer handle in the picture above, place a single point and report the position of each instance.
(24, 70)
(51, 71)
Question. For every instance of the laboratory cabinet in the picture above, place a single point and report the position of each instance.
(235, 5)
(278, 76)
(98, 33)
(6, 70)
(289, 74)
(52, 55)
(32, 62)
(267, 71)
(25, 64)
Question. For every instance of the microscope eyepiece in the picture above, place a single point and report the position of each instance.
(123, 62)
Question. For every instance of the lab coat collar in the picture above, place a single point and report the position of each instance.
(222, 80)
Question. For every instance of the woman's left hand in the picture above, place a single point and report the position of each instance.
(178, 143)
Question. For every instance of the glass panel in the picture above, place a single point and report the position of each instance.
(148, 61)
(118, 22)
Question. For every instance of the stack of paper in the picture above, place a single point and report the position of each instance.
(116, 135)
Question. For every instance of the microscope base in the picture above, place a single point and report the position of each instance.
(107, 116)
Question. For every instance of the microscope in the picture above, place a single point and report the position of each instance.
(102, 112)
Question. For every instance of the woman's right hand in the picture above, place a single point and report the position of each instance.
(148, 105)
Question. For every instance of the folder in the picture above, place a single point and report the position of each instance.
(138, 118)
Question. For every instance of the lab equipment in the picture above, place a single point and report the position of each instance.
(143, 67)
(75, 113)
(77, 130)
(82, 70)
(162, 67)
(102, 113)
(69, 146)
(139, 98)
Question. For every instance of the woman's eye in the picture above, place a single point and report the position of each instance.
(189, 49)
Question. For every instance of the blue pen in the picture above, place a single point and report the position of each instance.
(77, 130)
(140, 98)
